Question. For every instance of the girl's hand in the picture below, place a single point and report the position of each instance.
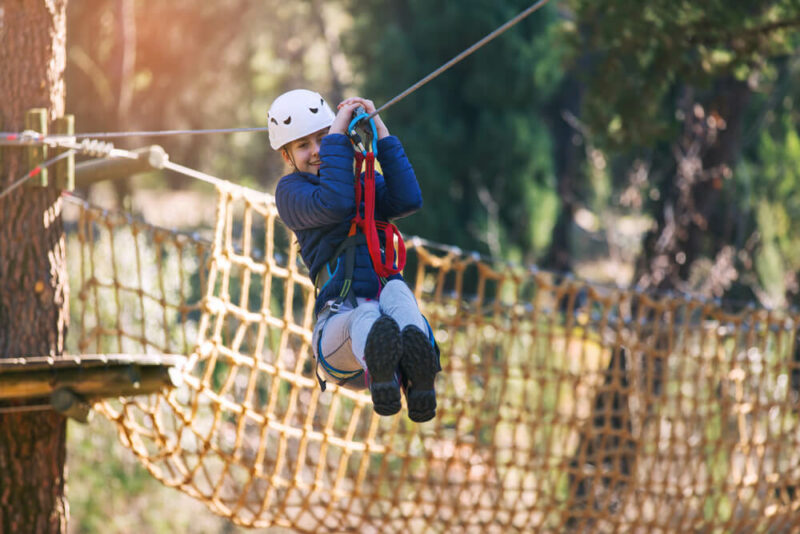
(343, 117)
(369, 107)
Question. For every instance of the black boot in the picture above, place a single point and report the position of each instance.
(419, 366)
(382, 353)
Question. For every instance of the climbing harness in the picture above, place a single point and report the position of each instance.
(387, 260)
(342, 376)
(392, 258)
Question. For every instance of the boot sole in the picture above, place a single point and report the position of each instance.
(382, 354)
(419, 367)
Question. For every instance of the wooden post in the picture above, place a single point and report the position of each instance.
(36, 120)
(64, 170)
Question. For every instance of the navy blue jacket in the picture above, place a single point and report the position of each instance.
(318, 209)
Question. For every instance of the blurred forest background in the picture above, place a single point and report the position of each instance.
(652, 143)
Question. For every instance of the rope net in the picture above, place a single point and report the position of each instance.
(563, 406)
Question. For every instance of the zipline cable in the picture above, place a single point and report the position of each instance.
(14, 138)
(489, 37)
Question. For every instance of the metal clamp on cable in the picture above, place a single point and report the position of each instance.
(30, 136)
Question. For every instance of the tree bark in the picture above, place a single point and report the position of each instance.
(33, 281)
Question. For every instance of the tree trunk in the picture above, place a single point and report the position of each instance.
(33, 282)
(714, 229)
(692, 221)
(567, 163)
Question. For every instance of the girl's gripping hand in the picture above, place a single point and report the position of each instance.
(345, 114)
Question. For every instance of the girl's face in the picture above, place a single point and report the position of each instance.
(303, 153)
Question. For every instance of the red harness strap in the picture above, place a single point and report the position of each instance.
(394, 259)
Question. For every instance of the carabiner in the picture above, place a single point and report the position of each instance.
(360, 115)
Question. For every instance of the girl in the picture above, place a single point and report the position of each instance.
(365, 324)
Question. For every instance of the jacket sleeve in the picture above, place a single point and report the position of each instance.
(304, 204)
(397, 192)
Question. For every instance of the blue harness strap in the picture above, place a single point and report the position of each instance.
(341, 376)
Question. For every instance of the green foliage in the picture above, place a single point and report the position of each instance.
(774, 197)
(656, 75)
(110, 492)
(639, 54)
(475, 135)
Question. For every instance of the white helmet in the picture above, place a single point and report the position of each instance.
(296, 114)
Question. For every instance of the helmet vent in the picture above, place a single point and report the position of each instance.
(274, 121)
(288, 120)
(313, 110)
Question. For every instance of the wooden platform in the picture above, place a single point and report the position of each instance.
(89, 376)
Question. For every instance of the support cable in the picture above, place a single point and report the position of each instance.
(161, 133)
(107, 150)
(35, 171)
(89, 147)
(26, 138)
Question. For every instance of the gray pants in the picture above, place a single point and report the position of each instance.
(344, 334)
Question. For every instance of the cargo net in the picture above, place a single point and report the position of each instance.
(563, 406)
